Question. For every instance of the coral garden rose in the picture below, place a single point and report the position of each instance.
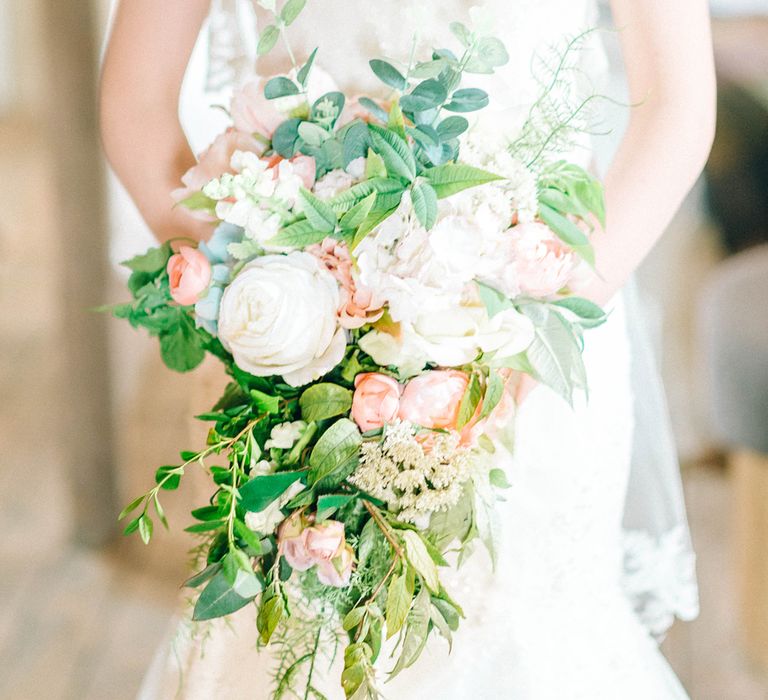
(543, 264)
(324, 540)
(189, 275)
(252, 113)
(432, 399)
(359, 305)
(376, 400)
(278, 317)
(214, 162)
(338, 571)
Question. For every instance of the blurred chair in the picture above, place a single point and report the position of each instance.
(733, 332)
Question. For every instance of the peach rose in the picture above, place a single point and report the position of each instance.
(324, 540)
(376, 400)
(359, 306)
(252, 113)
(190, 274)
(432, 399)
(214, 162)
(303, 166)
(338, 570)
(291, 538)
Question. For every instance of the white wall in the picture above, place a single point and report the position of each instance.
(7, 52)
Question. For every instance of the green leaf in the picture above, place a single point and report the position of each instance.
(498, 478)
(357, 214)
(207, 513)
(249, 537)
(145, 528)
(202, 576)
(151, 262)
(568, 232)
(170, 482)
(328, 504)
(285, 137)
(133, 505)
(280, 87)
(303, 75)
(420, 559)
(353, 618)
(389, 194)
(319, 213)
(469, 402)
(492, 52)
(396, 153)
(183, 348)
(259, 492)
(416, 632)
(452, 178)
(312, 134)
(494, 301)
(371, 222)
(590, 314)
(467, 100)
(374, 108)
(210, 526)
(388, 74)
(395, 119)
(264, 403)
(425, 96)
(374, 166)
(399, 597)
(270, 614)
(355, 141)
(199, 202)
(298, 235)
(453, 524)
(328, 108)
(424, 199)
(452, 128)
(291, 10)
(218, 599)
(267, 39)
(461, 32)
(494, 391)
(325, 400)
(336, 453)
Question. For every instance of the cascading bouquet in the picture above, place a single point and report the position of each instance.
(379, 279)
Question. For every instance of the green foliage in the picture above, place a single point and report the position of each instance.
(335, 454)
(218, 599)
(260, 491)
(424, 199)
(452, 178)
(325, 400)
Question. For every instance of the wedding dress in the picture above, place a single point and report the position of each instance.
(554, 620)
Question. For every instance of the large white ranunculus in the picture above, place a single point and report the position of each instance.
(278, 317)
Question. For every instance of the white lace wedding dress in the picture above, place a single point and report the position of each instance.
(553, 620)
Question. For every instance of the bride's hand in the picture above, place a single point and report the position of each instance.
(148, 52)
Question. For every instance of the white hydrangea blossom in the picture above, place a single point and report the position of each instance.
(414, 479)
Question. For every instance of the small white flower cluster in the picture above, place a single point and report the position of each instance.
(257, 196)
(414, 479)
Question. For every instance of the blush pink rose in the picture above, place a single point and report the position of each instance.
(542, 263)
(303, 166)
(358, 304)
(214, 162)
(325, 540)
(432, 399)
(291, 538)
(338, 571)
(376, 400)
(190, 274)
(252, 113)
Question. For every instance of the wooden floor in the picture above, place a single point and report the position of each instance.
(83, 625)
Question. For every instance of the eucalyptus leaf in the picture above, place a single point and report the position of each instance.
(291, 10)
(267, 39)
(388, 74)
(280, 86)
(452, 127)
(467, 100)
(285, 137)
(374, 108)
(313, 134)
(428, 94)
(303, 75)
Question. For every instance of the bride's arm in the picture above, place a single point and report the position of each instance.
(148, 52)
(668, 57)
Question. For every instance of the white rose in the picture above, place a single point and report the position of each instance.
(285, 435)
(278, 317)
(265, 522)
(450, 338)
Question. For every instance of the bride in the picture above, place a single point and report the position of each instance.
(574, 626)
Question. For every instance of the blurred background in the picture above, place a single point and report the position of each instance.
(88, 412)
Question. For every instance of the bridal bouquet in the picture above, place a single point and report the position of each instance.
(381, 276)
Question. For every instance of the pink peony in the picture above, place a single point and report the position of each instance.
(214, 162)
(359, 306)
(432, 399)
(190, 274)
(252, 113)
(338, 570)
(291, 537)
(376, 400)
(543, 264)
(303, 166)
(324, 540)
